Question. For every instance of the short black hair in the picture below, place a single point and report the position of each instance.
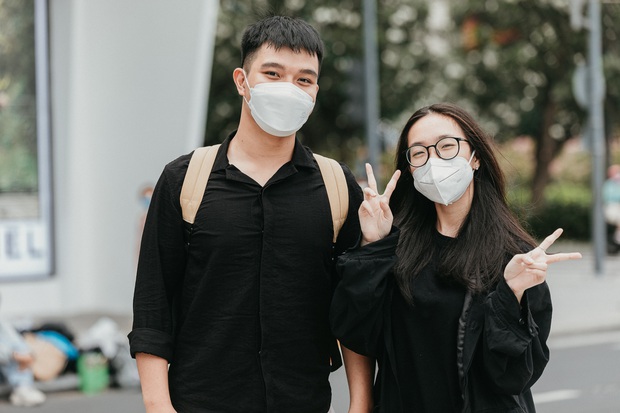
(281, 31)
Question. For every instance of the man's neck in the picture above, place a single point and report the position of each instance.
(258, 154)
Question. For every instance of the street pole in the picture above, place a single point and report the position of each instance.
(596, 92)
(371, 81)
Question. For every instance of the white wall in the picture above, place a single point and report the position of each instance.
(129, 85)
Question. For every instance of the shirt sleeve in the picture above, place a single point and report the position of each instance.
(515, 336)
(161, 267)
(358, 306)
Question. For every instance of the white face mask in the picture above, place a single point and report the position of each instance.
(279, 108)
(444, 182)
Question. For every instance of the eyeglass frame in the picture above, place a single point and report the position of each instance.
(428, 154)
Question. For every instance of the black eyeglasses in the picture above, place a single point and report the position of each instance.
(446, 148)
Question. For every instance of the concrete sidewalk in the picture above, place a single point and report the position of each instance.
(583, 301)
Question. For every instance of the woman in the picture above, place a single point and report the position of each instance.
(453, 304)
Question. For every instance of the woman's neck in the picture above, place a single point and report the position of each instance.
(450, 218)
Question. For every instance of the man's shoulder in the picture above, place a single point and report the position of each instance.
(174, 172)
(178, 166)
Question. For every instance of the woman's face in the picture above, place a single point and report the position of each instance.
(434, 127)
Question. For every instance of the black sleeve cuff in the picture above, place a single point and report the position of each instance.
(147, 340)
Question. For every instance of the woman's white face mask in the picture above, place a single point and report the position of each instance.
(444, 181)
(279, 108)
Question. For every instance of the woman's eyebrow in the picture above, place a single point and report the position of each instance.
(435, 138)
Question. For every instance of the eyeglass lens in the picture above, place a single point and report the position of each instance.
(446, 148)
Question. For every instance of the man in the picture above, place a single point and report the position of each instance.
(253, 286)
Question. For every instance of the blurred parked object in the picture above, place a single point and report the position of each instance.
(92, 367)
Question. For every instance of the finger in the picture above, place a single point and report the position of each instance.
(525, 259)
(372, 182)
(563, 256)
(369, 193)
(542, 266)
(540, 275)
(385, 207)
(391, 185)
(367, 208)
(547, 242)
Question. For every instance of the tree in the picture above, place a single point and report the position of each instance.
(521, 56)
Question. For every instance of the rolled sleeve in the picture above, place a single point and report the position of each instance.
(155, 342)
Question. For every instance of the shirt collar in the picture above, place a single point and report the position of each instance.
(302, 155)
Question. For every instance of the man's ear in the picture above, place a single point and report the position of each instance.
(240, 82)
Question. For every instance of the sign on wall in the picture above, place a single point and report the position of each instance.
(26, 247)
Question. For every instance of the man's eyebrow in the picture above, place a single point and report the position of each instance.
(267, 65)
(275, 65)
(309, 72)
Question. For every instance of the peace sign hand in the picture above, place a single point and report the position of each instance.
(374, 213)
(527, 270)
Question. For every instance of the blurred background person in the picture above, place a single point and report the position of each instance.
(16, 360)
(611, 198)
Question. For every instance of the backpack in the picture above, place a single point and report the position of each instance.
(201, 163)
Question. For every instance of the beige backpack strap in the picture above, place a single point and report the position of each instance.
(195, 181)
(337, 190)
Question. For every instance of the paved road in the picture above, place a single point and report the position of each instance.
(583, 375)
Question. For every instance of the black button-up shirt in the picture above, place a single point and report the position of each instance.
(241, 312)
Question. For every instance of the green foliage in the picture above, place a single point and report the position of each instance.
(566, 206)
(18, 141)
(527, 52)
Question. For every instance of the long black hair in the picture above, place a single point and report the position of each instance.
(489, 234)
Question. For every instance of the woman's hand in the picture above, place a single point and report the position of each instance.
(374, 213)
(527, 270)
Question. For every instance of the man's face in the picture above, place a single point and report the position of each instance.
(284, 65)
